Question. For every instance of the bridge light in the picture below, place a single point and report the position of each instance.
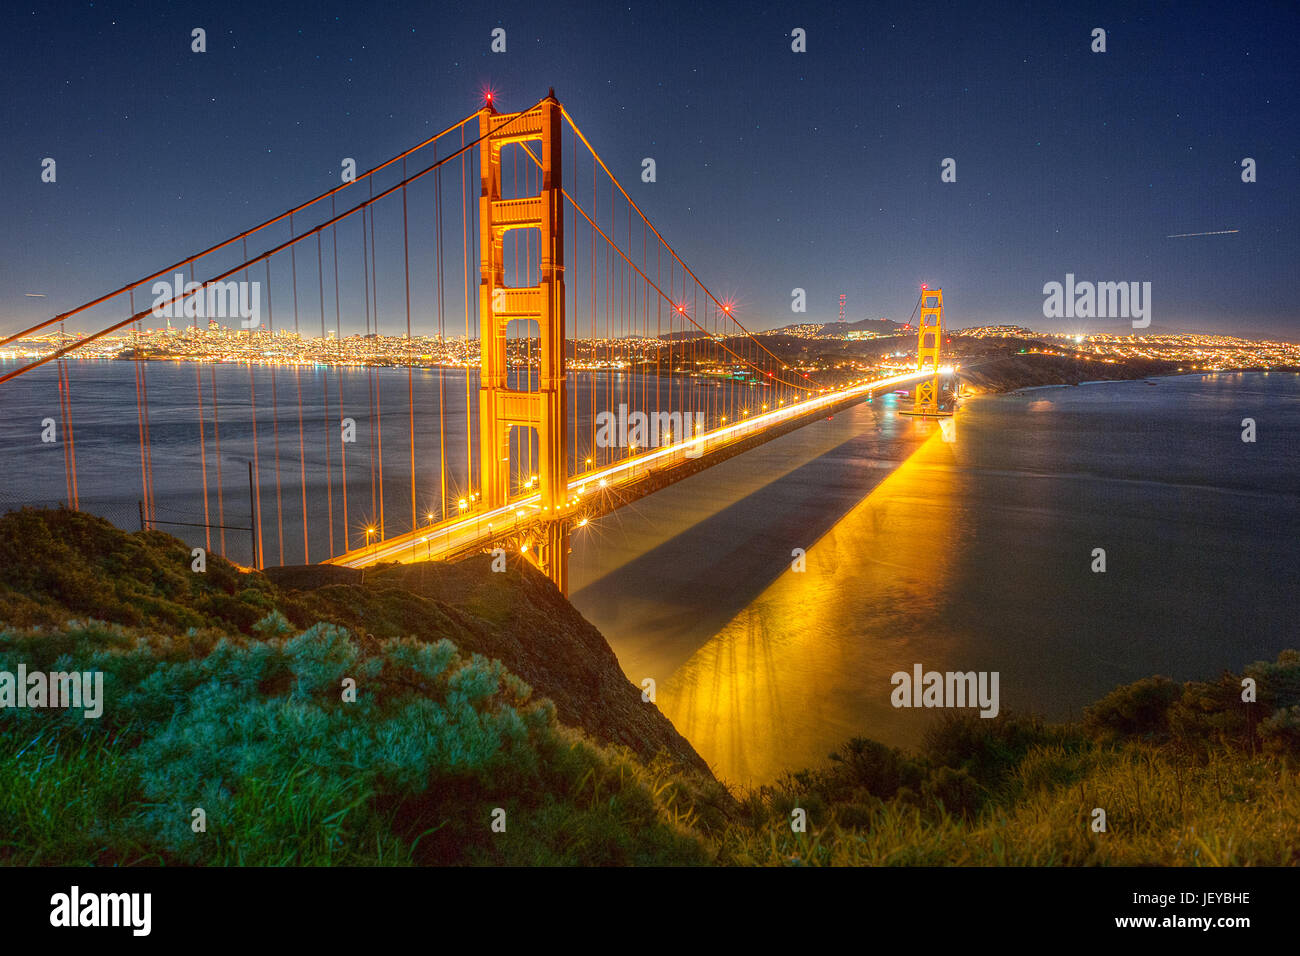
(603, 482)
(582, 523)
(462, 504)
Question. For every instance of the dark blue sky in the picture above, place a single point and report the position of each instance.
(776, 170)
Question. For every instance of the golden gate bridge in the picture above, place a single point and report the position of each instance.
(551, 284)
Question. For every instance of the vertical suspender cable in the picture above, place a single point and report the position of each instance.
(464, 231)
(442, 338)
(258, 557)
(297, 381)
(370, 368)
(325, 401)
(216, 440)
(275, 416)
(203, 444)
(338, 336)
(410, 371)
(379, 410)
(139, 413)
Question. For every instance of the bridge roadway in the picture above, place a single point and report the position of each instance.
(590, 493)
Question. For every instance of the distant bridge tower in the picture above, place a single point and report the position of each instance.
(841, 308)
(500, 407)
(929, 335)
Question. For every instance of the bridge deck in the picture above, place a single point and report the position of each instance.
(601, 490)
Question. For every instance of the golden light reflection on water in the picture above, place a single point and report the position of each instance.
(807, 665)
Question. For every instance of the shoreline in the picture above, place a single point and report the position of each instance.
(1149, 379)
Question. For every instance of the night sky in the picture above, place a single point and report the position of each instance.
(775, 169)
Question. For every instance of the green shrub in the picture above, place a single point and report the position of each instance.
(1140, 709)
(1280, 733)
(256, 733)
(872, 767)
(988, 748)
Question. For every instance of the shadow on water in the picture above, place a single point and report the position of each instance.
(673, 569)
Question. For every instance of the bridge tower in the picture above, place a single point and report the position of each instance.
(929, 334)
(500, 407)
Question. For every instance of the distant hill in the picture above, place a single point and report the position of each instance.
(839, 329)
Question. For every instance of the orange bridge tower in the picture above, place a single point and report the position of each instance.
(929, 335)
(502, 408)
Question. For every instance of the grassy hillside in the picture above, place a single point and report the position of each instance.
(227, 692)
(256, 733)
(57, 566)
